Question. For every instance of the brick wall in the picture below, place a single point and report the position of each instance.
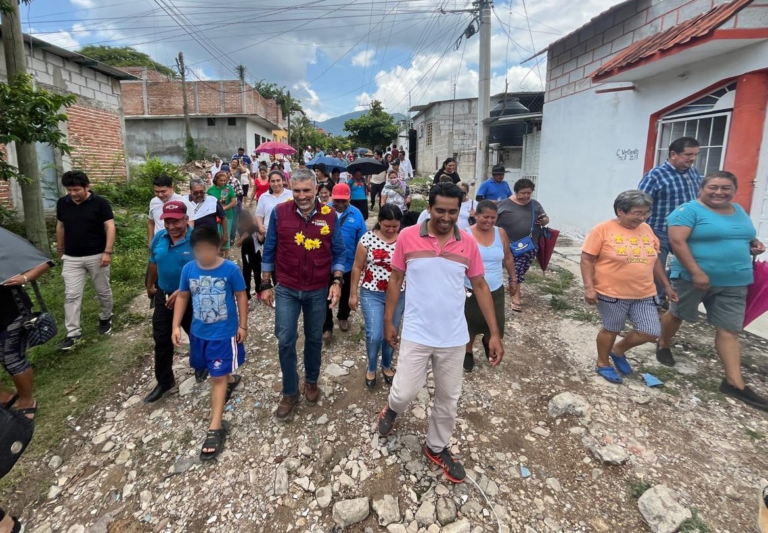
(95, 126)
(96, 137)
(571, 60)
(164, 97)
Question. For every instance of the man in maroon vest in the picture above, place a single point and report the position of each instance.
(302, 247)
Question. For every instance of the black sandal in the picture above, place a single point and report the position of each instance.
(28, 411)
(9, 403)
(370, 383)
(388, 379)
(214, 439)
(232, 386)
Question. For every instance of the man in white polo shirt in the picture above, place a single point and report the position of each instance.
(164, 192)
(437, 257)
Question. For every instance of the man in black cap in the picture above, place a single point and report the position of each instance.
(494, 189)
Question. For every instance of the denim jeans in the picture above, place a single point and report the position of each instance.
(289, 304)
(664, 250)
(372, 304)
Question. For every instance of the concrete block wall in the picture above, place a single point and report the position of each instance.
(95, 126)
(571, 60)
(441, 115)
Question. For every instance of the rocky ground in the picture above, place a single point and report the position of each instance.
(550, 446)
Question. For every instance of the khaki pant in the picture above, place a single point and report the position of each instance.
(411, 376)
(73, 271)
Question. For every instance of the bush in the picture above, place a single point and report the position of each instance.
(138, 192)
(10, 221)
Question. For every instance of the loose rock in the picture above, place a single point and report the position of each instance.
(387, 508)
(425, 516)
(349, 512)
(661, 511)
(460, 526)
(567, 403)
(446, 511)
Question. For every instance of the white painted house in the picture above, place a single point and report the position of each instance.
(641, 74)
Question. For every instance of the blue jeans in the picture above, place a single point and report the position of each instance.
(289, 304)
(664, 249)
(372, 304)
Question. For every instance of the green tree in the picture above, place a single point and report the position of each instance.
(273, 91)
(124, 56)
(376, 127)
(28, 116)
(240, 71)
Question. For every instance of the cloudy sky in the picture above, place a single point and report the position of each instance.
(335, 55)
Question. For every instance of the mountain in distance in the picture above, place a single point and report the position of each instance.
(335, 125)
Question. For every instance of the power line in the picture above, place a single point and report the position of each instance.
(533, 45)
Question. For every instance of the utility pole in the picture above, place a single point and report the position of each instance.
(483, 91)
(290, 110)
(183, 72)
(32, 198)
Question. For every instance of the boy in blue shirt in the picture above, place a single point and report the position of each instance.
(494, 189)
(219, 321)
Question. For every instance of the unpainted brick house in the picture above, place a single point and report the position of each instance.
(95, 130)
(636, 77)
(224, 116)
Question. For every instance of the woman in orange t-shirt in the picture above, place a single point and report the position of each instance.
(619, 261)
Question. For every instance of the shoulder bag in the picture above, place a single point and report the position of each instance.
(525, 245)
(40, 325)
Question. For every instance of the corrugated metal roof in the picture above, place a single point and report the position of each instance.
(684, 32)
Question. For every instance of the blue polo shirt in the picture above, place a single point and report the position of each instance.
(493, 190)
(170, 259)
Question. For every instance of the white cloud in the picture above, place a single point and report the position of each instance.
(88, 4)
(61, 38)
(363, 59)
(363, 100)
(311, 97)
(316, 116)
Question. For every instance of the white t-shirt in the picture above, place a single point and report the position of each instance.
(267, 204)
(463, 222)
(215, 168)
(245, 178)
(287, 165)
(156, 209)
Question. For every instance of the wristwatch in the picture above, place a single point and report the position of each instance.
(339, 279)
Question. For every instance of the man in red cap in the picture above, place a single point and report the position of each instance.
(169, 251)
(353, 227)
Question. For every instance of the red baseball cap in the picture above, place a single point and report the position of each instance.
(174, 209)
(341, 192)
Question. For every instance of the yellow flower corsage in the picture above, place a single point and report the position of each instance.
(325, 230)
(289, 199)
(325, 210)
(312, 244)
(299, 238)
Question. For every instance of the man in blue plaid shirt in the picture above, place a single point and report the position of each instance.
(671, 184)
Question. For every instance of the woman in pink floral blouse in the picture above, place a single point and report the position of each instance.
(373, 265)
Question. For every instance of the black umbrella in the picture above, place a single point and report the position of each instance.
(367, 165)
(19, 255)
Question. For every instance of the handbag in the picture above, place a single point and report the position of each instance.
(40, 325)
(525, 245)
(16, 432)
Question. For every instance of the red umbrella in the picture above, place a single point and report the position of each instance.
(757, 296)
(274, 148)
(547, 241)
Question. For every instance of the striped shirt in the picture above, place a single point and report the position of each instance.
(669, 189)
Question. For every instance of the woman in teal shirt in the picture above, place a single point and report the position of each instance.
(359, 198)
(713, 241)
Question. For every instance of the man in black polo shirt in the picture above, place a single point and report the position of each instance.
(85, 235)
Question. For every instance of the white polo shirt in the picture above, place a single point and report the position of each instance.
(156, 209)
(435, 298)
(267, 204)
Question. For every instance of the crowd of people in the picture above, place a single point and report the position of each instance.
(427, 288)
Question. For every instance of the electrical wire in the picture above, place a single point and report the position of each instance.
(533, 45)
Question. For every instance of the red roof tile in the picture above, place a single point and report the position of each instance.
(684, 32)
